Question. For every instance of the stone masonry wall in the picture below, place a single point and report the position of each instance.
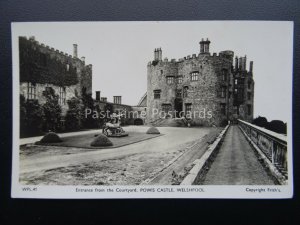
(203, 94)
(40, 88)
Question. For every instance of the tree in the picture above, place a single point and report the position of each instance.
(260, 121)
(74, 116)
(88, 104)
(52, 110)
(31, 117)
(277, 126)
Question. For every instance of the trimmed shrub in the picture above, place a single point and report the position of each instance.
(100, 141)
(50, 137)
(152, 130)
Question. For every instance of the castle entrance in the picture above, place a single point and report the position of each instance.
(178, 107)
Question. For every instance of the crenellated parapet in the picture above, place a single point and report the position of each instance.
(201, 81)
(42, 64)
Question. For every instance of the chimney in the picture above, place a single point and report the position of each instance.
(117, 99)
(75, 51)
(236, 63)
(32, 38)
(241, 63)
(97, 95)
(83, 59)
(204, 46)
(159, 54)
(251, 66)
(244, 62)
(155, 54)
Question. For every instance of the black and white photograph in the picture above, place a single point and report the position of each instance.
(181, 109)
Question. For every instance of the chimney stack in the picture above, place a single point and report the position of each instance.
(75, 55)
(236, 63)
(97, 95)
(251, 67)
(244, 62)
(204, 46)
(83, 59)
(117, 99)
(157, 54)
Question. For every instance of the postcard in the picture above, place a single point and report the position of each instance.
(152, 109)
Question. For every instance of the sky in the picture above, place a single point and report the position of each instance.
(120, 51)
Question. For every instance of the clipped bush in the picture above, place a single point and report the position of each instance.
(100, 141)
(50, 137)
(152, 130)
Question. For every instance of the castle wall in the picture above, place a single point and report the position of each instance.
(157, 80)
(203, 94)
(40, 88)
(47, 67)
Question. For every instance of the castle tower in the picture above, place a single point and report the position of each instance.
(204, 46)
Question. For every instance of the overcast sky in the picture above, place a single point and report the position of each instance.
(120, 51)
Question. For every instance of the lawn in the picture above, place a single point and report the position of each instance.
(84, 141)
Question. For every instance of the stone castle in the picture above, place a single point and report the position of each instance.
(206, 87)
(43, 67)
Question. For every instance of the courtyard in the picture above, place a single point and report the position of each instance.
(136, 159)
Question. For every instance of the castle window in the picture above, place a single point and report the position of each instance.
(157, 94)
(223, 108)
(179, 79)
(249, 110)
(249, 84)
(194, 76)
(166, 108)
(249, 95)
(31, 91)
(178, 93)
(224, 75)
(235, 81)
(188, 108)
(62, 95)
(68, 67)
(223, 92)
(185, 91)
(170, 80)
(161, 72)
(48, 89)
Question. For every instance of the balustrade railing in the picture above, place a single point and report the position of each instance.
(272, 144)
